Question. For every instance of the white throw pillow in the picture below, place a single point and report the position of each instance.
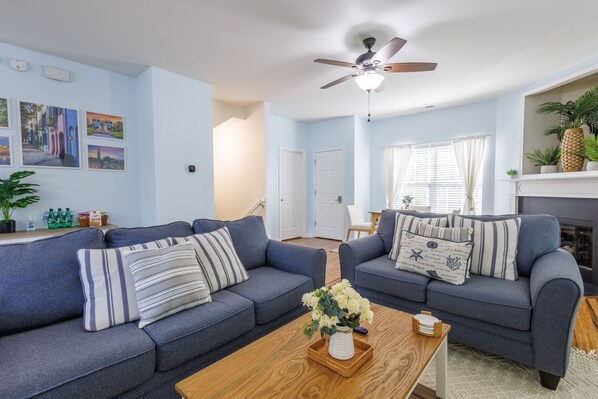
(218, 259)
(494, 246)
(108, 288)
(167, 281)
(409, 223)
(439, 259)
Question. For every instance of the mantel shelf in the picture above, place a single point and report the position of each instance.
(556, 176)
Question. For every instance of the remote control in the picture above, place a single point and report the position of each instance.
(361, 330)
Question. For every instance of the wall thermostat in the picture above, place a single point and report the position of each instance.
(18, 65)
(191, 168)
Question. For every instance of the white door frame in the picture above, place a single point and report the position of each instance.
(302, 188)
(314, 205)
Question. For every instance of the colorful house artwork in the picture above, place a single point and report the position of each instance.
(105, 126)
(105, 158)
(50, 136)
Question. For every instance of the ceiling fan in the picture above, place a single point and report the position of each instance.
(368, 63)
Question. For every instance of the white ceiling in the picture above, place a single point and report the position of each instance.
(262, 50)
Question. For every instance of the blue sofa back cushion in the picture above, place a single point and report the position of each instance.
(124, 237)
(40, 283)
(538, 235)
(249, 237)
(386, 227)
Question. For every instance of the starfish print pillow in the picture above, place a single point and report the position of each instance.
(436, 258)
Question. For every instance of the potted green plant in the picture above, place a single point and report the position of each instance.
(407, 200)
(547, 160)
(573, 116)
(512, 173)
(15, 194)
(590, 152)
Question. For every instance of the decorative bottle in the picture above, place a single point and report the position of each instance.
(59, 219)
(68, 218)
(51, 219)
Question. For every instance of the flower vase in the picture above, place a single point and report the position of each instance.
(341, 344)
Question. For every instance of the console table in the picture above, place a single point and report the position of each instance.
(28, 236)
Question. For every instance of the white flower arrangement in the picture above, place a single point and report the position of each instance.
(339, 305)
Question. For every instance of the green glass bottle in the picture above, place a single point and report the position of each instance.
(68, 218)
(59, 219)
(51, 219)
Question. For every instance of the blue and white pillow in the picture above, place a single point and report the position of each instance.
(409, 223)
(167, 281)
(495, 246)
(108, 288)
(439, 259)
(217, 257)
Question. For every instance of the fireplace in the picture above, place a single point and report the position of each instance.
(579, 228)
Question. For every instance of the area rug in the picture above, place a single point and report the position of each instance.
(477, 374)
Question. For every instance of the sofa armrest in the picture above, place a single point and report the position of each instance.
(355, 252)
(298, 259)
(556, 290)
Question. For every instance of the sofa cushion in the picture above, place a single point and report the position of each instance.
(409, 223)
(380, 275)
(273, 291)
(40, 284)
(108, 286)
(217, 258)
(124, 237)
(386, 227)
(538, 235)
(64, 361)
(503, 302)
(167, 281)
(193, 332)
(248, 234)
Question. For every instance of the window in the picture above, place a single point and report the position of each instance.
(433, 179)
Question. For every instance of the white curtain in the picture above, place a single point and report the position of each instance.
(469, 152)
(396, 161)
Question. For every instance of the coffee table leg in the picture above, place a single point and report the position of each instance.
(441, 366)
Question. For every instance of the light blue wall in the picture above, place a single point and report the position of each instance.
(432, 127)
(509, 131)
(181, 131)
(281, 133)
(90, 89)
(362, 165)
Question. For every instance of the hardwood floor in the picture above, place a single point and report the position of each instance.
(585, 335)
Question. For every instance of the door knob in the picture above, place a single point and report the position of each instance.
(339, 199)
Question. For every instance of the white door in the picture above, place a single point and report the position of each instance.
(291, 193)
(329, 194)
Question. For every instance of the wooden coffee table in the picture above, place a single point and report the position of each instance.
(276, 366)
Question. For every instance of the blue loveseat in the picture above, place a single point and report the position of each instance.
(46, 353)
(529, 320)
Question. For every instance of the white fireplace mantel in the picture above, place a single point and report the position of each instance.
(556, 185)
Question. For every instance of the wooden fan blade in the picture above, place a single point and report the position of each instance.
(410, 67)
(388, 50)
(341, 80)
(336, 63)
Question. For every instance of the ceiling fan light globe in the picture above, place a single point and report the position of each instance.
(369, 81)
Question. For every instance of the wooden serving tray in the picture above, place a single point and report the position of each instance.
(318, 351)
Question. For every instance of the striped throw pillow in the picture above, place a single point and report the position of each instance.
(409, 223)
(494, 246)
(108, 289)
(218, 259)
(167, 281)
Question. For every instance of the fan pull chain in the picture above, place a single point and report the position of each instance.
(369, 105)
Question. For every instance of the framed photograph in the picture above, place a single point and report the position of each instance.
(104, 126)
(100, 157)
(49, 136)
(4, 113)
(5, 151)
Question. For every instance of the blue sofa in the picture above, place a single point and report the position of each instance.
(529, 320)
(46, 353)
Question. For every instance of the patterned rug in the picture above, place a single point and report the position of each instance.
(476, 374)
